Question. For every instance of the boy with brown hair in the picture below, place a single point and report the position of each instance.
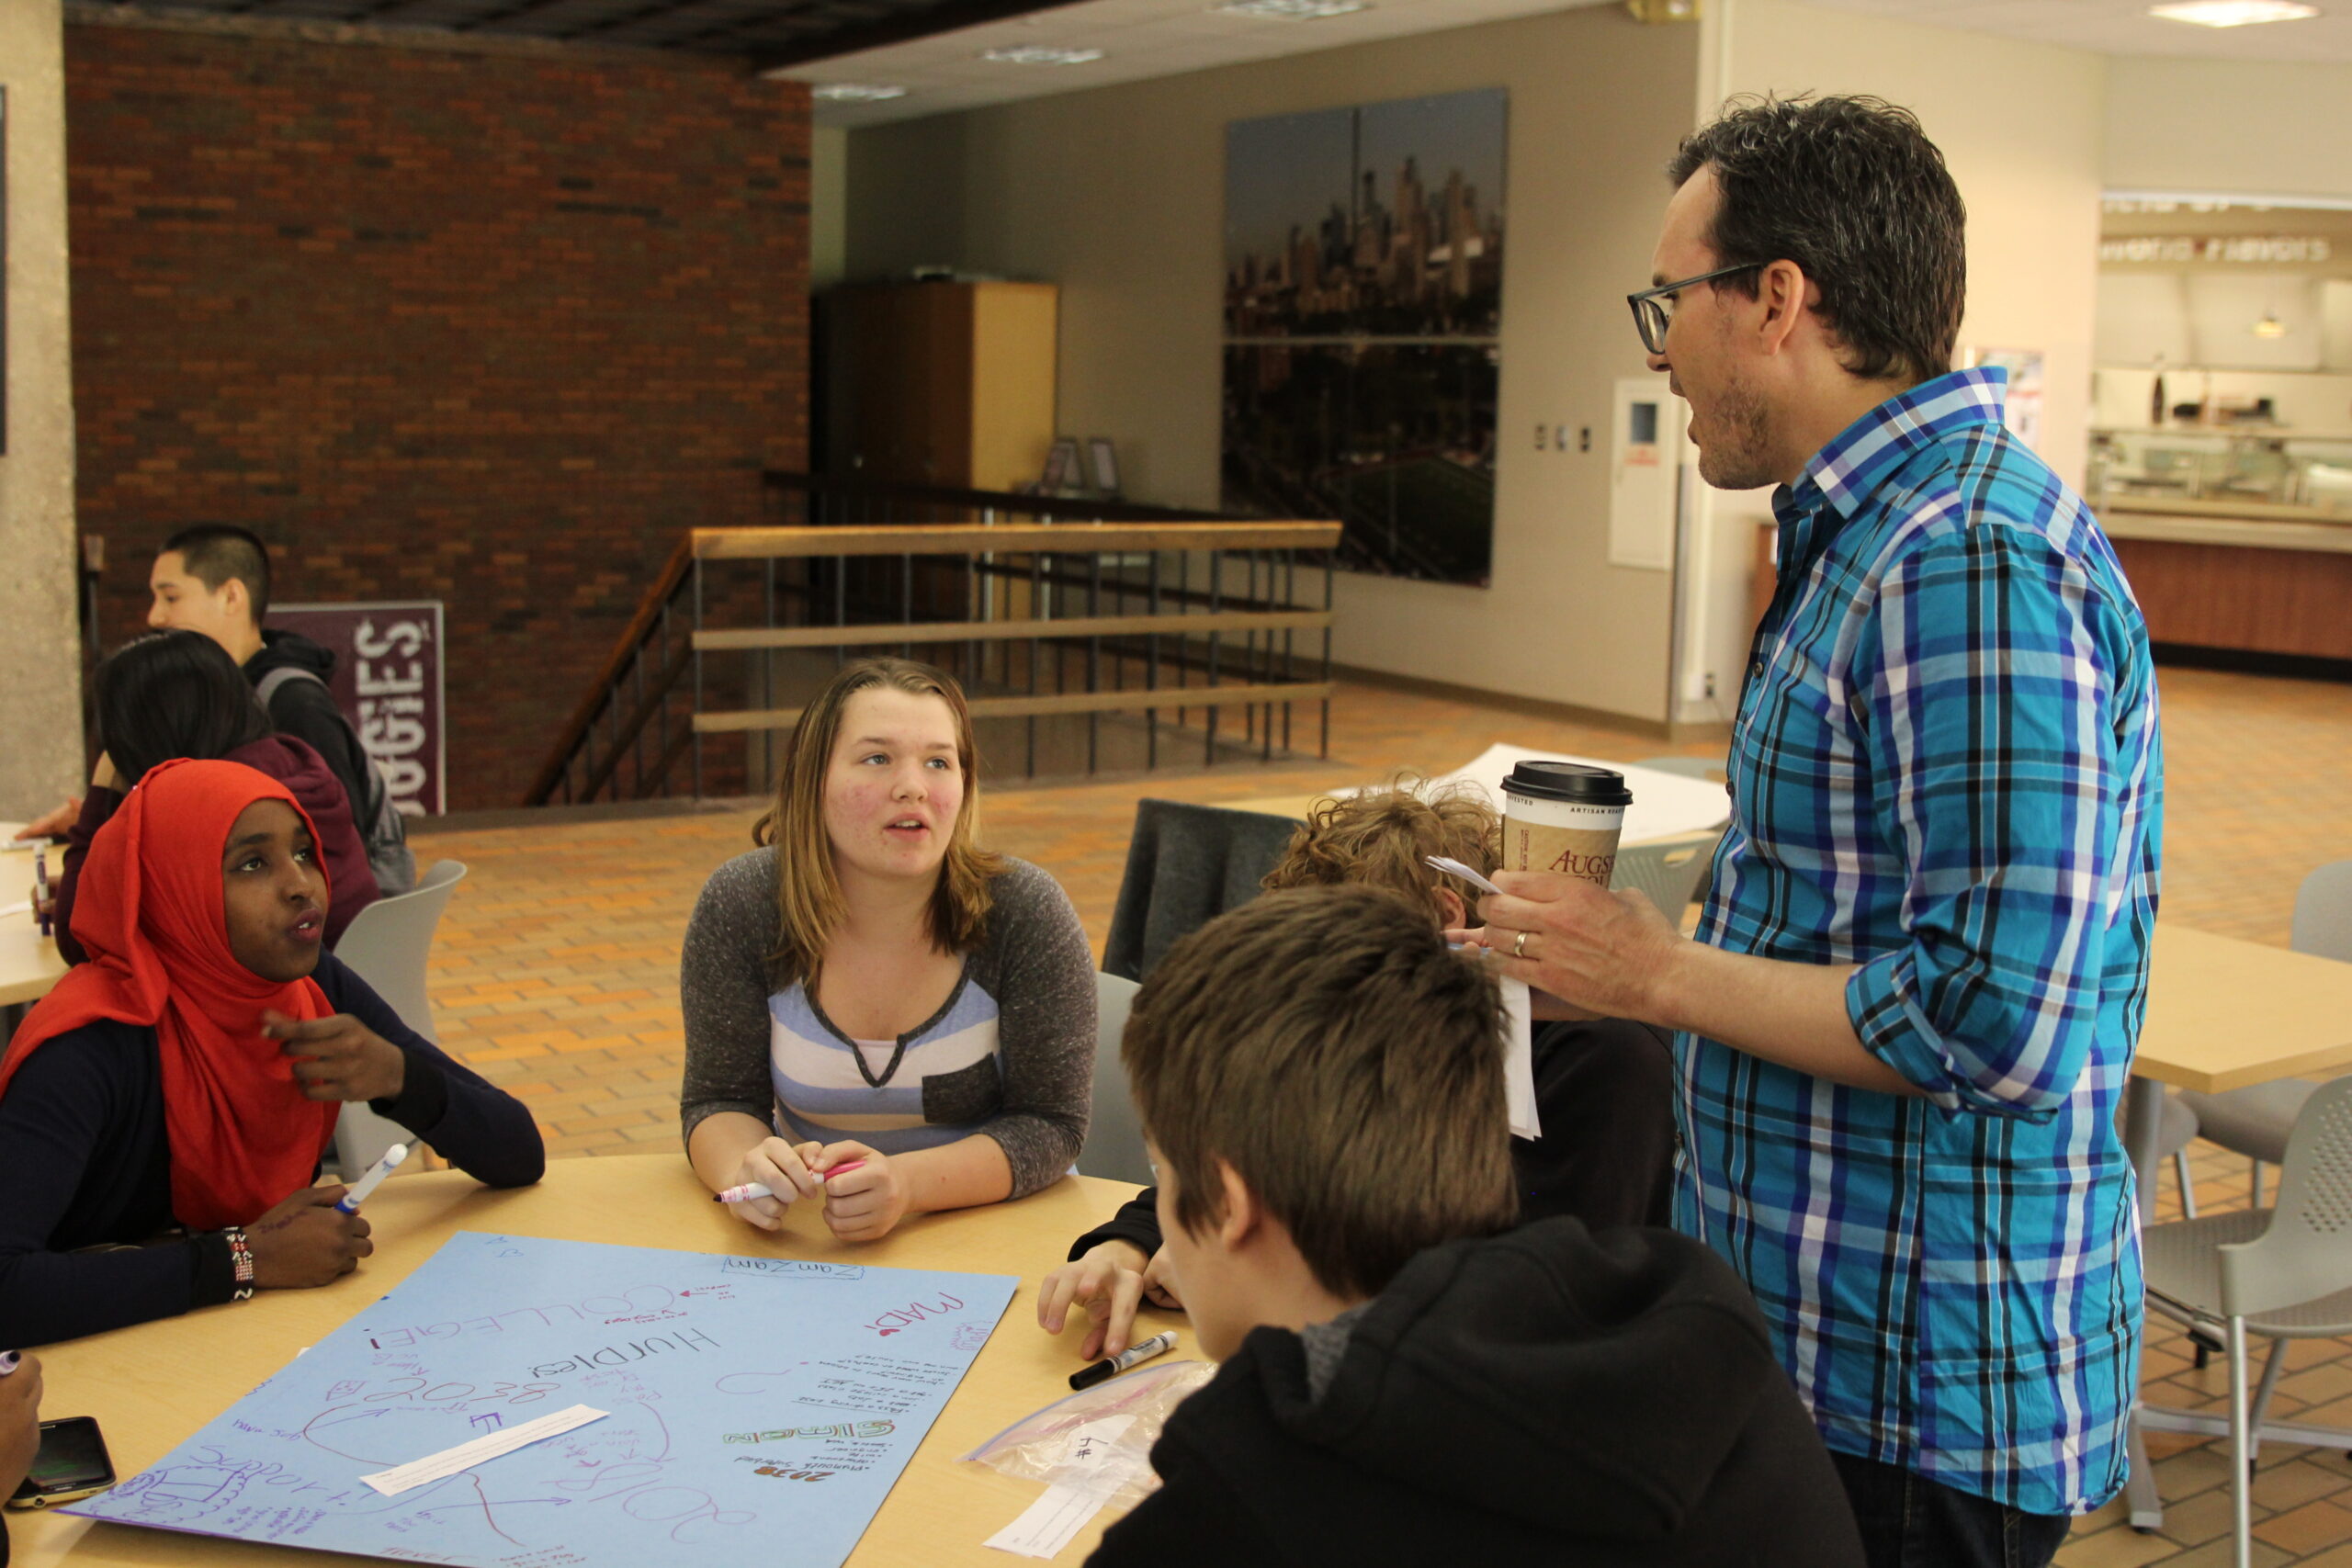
(1603, 1088)
(1404, 1376)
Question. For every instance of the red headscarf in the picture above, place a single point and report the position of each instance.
(152, 916)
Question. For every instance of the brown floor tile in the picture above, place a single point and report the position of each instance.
(2307, 1530)
(2118, 1546)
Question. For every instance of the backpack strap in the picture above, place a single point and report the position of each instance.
(273, 681)
(363, 813)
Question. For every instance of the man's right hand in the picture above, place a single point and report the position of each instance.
(54, 824)
(304, 1241)
(19, 1422)
(782, 1169)
(1107, 1279)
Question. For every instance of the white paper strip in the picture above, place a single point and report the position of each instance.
(1048, 1524)
(1519, 1062)
(1097, 1467)
(465, 1456)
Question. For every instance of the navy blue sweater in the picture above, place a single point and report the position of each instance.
(84, 1163)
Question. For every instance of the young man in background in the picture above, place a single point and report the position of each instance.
(214, 579)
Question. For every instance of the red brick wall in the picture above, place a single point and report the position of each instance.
(478, 328)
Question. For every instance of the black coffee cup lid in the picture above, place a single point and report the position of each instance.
(1575, 782)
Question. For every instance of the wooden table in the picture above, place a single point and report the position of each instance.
(2223, 1013)
(153, 1386)
(29, 962)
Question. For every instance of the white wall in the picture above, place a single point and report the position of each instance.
(2224, 125)
(2022, 127)
(1117, 194)
(41, 652)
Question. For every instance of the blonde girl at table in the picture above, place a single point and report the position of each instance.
(869, 987)
(163, 1110)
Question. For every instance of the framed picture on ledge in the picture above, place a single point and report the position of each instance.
(1102, 464)
(1061, 467)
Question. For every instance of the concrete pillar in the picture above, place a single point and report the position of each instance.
(40, 644)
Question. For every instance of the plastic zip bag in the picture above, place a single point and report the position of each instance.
(1098, 1440)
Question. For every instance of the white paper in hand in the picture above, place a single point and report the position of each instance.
(1518, 1055)
(1519, 1061)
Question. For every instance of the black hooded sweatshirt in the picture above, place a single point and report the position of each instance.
(1544, 1396)
(306, 710)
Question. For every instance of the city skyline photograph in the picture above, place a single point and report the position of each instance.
(1363, 301)
(1382, 219)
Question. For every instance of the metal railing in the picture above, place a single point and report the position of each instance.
(1148, 621)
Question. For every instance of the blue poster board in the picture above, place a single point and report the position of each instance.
(755, 1406)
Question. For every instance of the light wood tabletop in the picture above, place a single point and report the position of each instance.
(29, 965)
(153, 1386)
(2224, 1012)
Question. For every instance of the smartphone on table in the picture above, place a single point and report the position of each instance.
(72, 1464)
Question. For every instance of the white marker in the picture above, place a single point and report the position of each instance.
(368, 1183)
(751, 1190)
(1456, 868)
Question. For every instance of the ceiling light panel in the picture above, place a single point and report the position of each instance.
(2234, 13)
(1040, 54)
(1292, 10)
(854, 93)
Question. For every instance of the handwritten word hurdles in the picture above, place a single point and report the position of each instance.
(635, 1350)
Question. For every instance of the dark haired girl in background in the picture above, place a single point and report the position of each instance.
(178, 693)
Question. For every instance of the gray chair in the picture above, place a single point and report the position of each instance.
(1672, 873)
(387, 945)
(2177, 1132)
(2284, 1273)
(1186, 865)
(2255, 1121)
(1115, 1135)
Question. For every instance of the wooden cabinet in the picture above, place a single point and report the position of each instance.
(2247, 597)
(941, 383)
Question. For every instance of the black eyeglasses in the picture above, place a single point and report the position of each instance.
(1651, 319)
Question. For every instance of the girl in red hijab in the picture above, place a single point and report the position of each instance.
(182, 1085)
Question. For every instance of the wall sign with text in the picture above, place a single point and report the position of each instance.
(2235, 250)
(387, 680)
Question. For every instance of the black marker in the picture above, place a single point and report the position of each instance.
(1134, 1355)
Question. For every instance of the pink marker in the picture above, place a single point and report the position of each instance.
(761, 1189)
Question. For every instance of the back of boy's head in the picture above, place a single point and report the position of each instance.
(212, 553)
(1383, 838)
(1327, 1045)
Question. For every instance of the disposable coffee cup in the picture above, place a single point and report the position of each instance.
(1564, 817)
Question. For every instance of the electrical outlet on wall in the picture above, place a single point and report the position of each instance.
(1710, 692)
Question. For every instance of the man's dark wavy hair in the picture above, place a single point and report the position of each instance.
(1852, 191)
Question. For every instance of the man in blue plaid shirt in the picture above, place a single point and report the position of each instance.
(1906, 1022)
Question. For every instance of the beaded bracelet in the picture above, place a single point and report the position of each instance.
(241, 1254)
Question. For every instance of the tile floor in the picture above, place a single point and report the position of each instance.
(556, 974)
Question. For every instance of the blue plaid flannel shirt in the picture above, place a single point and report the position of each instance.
(1945, 770)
